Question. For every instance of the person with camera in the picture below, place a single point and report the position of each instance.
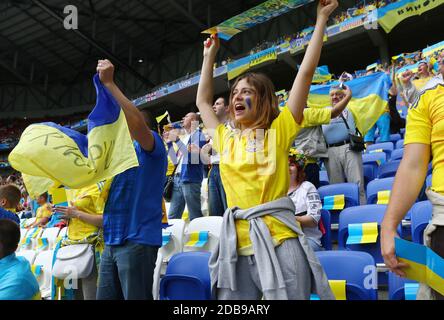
(344, 162)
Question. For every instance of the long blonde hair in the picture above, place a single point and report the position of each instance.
(266, 107)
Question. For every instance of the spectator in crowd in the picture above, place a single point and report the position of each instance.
(343, 164)
(245, 265)
(423, 141)
(9, 199)
(43, 213)
(306, 199)
(84, 218)
(396, 121)
(311, 141)
(190, 169)
(411, 92)
(132, 217)
(217, 200)
(17, 282)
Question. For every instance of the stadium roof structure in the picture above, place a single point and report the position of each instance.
(36, 51)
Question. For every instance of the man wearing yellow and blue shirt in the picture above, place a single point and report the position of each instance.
(17, 282)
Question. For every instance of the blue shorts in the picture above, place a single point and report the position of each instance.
(383, 125)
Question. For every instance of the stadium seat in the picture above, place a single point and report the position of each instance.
(44, 259)
(399, 144)
(369, 170)
(326, 238)
(376, 158)
(212, 225)
(351, 195)
(396, 286)
(387, 147)
(393, 138)
(28, 255)
(377, 185)
(350, 266)
(364, 214)
(323, 178)
(397, 154)
(420, 215)
(175, 244)
(187, 277)
(388, 169)
(51, 235)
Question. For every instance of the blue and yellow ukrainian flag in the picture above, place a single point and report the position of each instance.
(321, 74)
(424, 264)
(389, 16)
(67, 157)
(336, 202)
(433, 49)
(197, 239)
(369, 99)
(359, 233)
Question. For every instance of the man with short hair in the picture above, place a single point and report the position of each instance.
(9, 199)
(343, 164)
(132, 218)
(190, 169)
(17, 282)
(217, 201)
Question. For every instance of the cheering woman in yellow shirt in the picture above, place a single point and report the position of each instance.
(254, 171)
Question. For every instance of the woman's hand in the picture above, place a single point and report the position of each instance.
(211, 46)
(326, 7)
(68, 212)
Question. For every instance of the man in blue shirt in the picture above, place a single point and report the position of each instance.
(190, 169)
(17, 282)
(132, 218)
(9, 199)
(343, 164)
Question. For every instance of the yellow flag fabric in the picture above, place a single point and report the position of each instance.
(263, 56)
(160, 118)
(69, 158)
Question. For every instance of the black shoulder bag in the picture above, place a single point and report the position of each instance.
(168, 189)
(356, 140)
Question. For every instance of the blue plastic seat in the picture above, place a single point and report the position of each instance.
(351, 195)
(349, 266)
(376, 157)
(387, 147)
(323, 178)
(420, 215)
(187, 277)
(361, 214)
(370, 170)
(378, 185)
(326, 238)
(393, 138)
(397, 154)
(388, 169)
(396, 286)
(399, 144)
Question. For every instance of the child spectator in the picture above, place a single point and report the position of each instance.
(43, 211)
(9, 199)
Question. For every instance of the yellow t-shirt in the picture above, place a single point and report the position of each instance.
(43, 211)
(88, 200)
(254, 173)
(425, 124)
(171, 166)
(420, 83)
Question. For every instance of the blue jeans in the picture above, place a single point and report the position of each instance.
(188, 193)
(217, 200)
(126, 272)
(383, 124)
